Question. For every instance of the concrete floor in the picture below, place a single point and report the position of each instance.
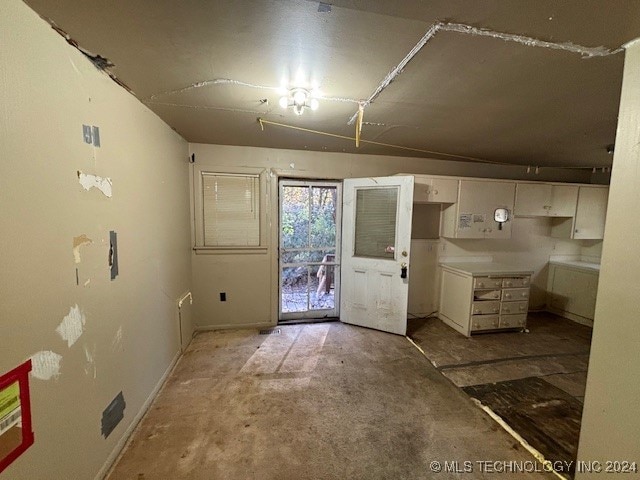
(321, 401)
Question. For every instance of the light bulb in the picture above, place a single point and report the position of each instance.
(284, 102)
(297, 109)
(299, 97)
(314, 104)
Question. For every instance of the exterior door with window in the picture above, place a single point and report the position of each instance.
(376, 240)
(309, 257)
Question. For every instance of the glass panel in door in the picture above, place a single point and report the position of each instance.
(309, 257)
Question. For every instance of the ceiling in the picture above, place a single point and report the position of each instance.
(207, 67)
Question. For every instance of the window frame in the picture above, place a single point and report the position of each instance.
(197, 182)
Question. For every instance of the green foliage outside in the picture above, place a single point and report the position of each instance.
(307, 228)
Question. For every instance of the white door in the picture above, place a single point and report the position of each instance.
(376, 237)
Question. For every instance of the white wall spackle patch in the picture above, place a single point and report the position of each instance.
(90, 365)
(45, 364)
(77, 243)
(89, 181)
(72, 325)
(117, 340)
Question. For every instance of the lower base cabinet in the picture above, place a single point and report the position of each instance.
(572, 291)
(476, 298)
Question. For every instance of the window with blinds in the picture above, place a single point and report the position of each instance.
(231, 210)
(375, 230)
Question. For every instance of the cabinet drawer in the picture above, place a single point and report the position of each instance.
(486, 295)
(483, 308)
(512, 294)
(484, 322)
(486, 282)
(513, 321)
(513, 307)
(515, 282)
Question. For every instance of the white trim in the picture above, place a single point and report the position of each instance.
(309, 313)
(230, 250)
(229, 326)
(124, 441)
(632, 43)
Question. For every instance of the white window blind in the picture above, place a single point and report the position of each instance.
(375, 222)
(231, 210)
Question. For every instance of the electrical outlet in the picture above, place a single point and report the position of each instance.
(223, 296)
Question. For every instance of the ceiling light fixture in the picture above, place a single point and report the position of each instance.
(299, 99)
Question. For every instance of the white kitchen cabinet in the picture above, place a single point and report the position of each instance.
(435, 190)
(545, 200)
(572, 288)
(591, 213)
(473, 214)
(589, 219)
(481, 297)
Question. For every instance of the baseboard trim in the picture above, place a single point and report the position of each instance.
(119, 448)
(570, 316)
(228, 326)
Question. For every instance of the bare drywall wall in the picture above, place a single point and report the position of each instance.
(92, 337)
(610, 422)
(250, 280)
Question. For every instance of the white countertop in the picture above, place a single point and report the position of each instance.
(591, 267)
(486, 268)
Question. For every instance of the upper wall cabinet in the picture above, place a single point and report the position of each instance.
(473, 215)
(435, 190)
(545, 200)
(590, 216)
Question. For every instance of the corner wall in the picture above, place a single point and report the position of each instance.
(128, 328)
(610, 421)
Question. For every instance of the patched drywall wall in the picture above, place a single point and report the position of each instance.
(250, 280)
(89, 337)
(610, 421)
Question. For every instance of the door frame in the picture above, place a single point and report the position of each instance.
(310, 314)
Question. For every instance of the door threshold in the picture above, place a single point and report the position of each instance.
(309, 320)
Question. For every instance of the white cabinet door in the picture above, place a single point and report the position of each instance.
(564, 199)
(573, 291)
(435, 190)
(545, 200)
(444, 190)
(591, 213)
(473, 216)
(376, 240)
(532, 199)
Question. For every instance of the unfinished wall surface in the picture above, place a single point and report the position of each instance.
(251, 280)
(610, 422)
(90, 337)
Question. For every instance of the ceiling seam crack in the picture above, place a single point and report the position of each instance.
(229, 81)
(586, 52)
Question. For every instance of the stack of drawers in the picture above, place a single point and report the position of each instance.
(500, 302)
